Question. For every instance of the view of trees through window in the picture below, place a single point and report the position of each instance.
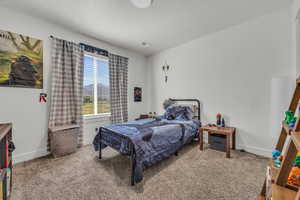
(96, 97)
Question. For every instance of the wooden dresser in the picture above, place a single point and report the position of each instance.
(6, 149)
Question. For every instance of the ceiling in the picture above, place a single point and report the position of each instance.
(165, 24)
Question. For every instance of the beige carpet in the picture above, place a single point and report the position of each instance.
(206, 175)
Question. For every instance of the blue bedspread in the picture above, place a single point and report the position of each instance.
(152, 139)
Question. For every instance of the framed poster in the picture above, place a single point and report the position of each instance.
(137, 94)
(21, 60)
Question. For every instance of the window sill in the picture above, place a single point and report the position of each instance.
(102, 115)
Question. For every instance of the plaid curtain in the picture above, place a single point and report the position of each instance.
(118, 74)
(67, 85)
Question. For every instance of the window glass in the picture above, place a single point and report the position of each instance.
(103, 94)
(88, 86)
(96, 92)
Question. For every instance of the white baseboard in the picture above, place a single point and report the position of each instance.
(43, 152)
(257, 150)
(29, 155)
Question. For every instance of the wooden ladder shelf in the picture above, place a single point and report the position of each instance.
(280, 189)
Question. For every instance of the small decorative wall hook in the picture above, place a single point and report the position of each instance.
(165, 69)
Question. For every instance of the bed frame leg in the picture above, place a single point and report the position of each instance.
(132, 175)
(100, 150)
(100, 153)
(132, 168)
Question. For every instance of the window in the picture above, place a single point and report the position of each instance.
(96, 97)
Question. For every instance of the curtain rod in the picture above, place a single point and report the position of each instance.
(52, 37)
(90, 48)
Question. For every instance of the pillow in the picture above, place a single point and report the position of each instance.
(178, 112)
(187, 114)
(167, 103)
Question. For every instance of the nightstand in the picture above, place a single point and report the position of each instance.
(229, 132)
(144, 116)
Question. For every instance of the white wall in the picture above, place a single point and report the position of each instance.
(21, 106)
(231, 72)
(295, 36)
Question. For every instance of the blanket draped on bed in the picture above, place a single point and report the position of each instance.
(152, 140)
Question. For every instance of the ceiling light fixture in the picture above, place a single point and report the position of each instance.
(142, 3)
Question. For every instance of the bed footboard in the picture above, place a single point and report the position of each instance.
(131, 156)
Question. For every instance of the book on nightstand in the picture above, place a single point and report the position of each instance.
(1, 191)
(8, 180)
(6, 149)
(2, 184)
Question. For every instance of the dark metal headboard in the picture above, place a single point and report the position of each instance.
(191, 100)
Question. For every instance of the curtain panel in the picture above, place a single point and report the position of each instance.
(118, 74)
(67, 85)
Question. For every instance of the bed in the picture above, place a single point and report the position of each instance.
(149, 141)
